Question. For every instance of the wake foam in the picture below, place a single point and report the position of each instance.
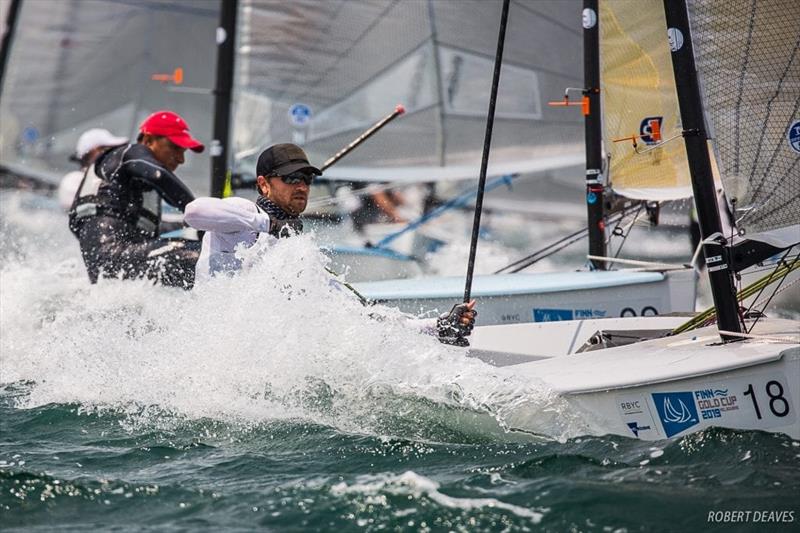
(417, 486)
(281, 341)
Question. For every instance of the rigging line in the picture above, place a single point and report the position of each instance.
(636, 262)
(572, 237)
(772, 266)
(782, 289)
(696, 254)
(487, 143)
(709, 315)
(773, 292)
(617, 231)
(627, 233)
(518, 64)
(658, 145)
(748, 335)
(579, 234)
(768, 268)
(758, 295)
(737, 277)
(546, 255)
(770, 197)
(552, 20)
(181, 8)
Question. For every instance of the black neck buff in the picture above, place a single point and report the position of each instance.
(282, 223)
(273, 210)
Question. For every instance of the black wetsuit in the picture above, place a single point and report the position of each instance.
(117, 214)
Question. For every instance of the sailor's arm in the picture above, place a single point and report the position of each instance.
(140, 164)
(171, 188)
(229, 215)
(452, 327)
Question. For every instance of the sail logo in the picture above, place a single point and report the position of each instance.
(793, 136)
(650, 130)
(300, 114)
(676, 410)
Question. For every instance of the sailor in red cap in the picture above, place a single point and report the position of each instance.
(116, 215)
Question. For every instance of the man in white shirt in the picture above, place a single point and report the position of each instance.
(284, 179)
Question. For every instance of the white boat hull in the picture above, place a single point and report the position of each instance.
(522, 298)
(761, 397)
(672, 386)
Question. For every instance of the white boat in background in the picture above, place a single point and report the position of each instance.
(544, 297)
(743, 373)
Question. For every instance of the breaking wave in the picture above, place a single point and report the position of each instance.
(280, 342)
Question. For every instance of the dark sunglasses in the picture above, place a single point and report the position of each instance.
(296, 177)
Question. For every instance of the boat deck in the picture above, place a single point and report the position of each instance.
(687, 355)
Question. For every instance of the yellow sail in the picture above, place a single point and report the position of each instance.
(640, 102)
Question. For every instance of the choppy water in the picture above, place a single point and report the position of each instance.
(275, 401)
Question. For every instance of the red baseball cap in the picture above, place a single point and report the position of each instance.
(170, 125)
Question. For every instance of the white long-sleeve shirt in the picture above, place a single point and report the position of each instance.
(228, 223)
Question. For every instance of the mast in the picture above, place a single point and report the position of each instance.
(226, 52)
(593, 134)
(5, 45)
(696, 139)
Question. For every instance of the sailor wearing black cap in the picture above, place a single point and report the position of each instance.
(284, 179)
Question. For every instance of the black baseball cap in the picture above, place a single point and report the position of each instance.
(284, 159)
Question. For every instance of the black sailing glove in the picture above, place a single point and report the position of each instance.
(455, 326)
(285, 227)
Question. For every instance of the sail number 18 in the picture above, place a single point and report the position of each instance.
(778, 404)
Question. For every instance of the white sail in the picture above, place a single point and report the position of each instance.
(319, 73)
